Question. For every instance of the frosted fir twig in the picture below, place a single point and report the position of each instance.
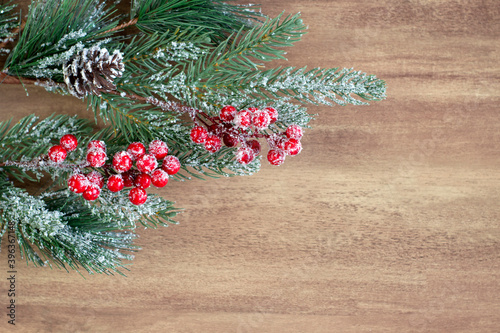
(43, 162)
(13, 33)
(10, 79)
(48, 83)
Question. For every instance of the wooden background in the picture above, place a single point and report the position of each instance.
(388, 221)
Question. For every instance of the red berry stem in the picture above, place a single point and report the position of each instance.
(198, 118)
(212, 119)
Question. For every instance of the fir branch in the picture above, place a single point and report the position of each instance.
(10, 37)
(316, 86)
(55, 29)
(30, 138)
(155, 212)
(13, 79)
(46, 235)
(217, 18)
(9, 26)
(63, 229)
(232, 57)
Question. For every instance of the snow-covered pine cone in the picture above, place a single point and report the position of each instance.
(92, 71)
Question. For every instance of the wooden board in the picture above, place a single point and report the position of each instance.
(388, 221)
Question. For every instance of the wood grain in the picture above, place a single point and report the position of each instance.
(388, 221)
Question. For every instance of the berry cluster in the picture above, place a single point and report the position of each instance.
(121, 172)
(287, 143)
(68, 142)
(244, 127)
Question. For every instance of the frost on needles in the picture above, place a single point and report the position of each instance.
(164, 73)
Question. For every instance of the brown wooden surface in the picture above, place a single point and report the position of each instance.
(388, 221)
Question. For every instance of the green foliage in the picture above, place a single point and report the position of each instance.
(236, 56)
(30, 138)
(8, 21)
(54, 31)
(61, 231)
(316, 86)
(61, 228)
(179, 56)
(117, 208)
(216, 18)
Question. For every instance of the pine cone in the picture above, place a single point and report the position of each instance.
(92, 71)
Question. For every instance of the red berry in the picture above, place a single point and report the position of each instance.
(294, 132)
(69, 142)
(128, 178)
(122, 161)
(137, 196)
(276, 157)
(146, 163)
(230, 140)
(159, 178)
(272, 113)
(143, 181)
(198, 134)
(171, 164)
(280, 143)
(243, 119)
(57, 154)
(227, 113)
(245, 155)
(253, 109)
(116, 183)
(213, 129)
(96, 144)
(96, 178)
(213, 143)
(158, 149)
(92, 192)
(96, 157)
(78, 183)
(293, 146)
(136, 150)
(261, 120)
(255, 145)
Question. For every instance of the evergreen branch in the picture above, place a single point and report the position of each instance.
(12, 34)
(232, 57)
(12, 79)
(155, 212)
(71, 233)
(214, 17)
(46, 224)
(317, 86)
(7, 23)
(28, 139)
(55, 29)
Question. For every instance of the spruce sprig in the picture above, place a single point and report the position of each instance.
(49, 232)
(8, 22)
(243, 53)
(217, 18)
(30, 138)
(54, 31)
